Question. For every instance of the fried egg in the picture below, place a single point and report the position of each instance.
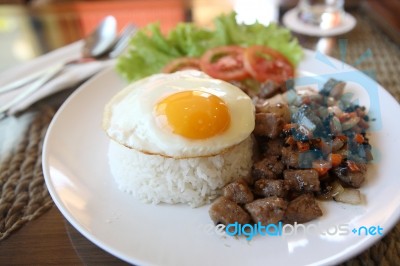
(181, 115)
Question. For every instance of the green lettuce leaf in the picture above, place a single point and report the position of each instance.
(228, 32)
(190, 40)
(150, 50)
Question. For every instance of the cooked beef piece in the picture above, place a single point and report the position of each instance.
(268, 89)
(238, 192)
(268, 124)
(272, 147)
(302, 180)
(267, 210)
(290, 157)
(351, 178)
(225, 211)
(270, 167)
(260, 170)
(362, 166)
(279, 109)
(268, 187)
(274, 164)
(302, 209)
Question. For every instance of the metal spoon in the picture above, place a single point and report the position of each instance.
(116, 49)
(96, 44)
(102, 39)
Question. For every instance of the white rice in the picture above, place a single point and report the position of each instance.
(195, 181)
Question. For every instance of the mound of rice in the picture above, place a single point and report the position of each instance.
(195, 181)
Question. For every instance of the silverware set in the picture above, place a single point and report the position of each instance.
(102, 44)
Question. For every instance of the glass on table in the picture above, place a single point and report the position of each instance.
(326, 14)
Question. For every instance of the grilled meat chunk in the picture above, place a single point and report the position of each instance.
(238, 192)
(302, 209)
(225, 211)
(302, 180)
(352, 177)
(279, 109)
(268, 124)
(269, 167)
(274, 147)
(269, 146)
(260, 170)
(268, 187)
(290, 157)
(267, 210)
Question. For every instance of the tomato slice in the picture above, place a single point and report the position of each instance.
(224, 62)
(264, 63)
(182, 63)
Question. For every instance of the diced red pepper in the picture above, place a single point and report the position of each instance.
(290, 140)
(321, 166)
(322, 171)
(335, 159)
(289, 126)
(359, 138)
(303, 146)
(353, 166)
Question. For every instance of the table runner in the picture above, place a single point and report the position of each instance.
(24, 196)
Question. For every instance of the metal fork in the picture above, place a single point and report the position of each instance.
(42, 77)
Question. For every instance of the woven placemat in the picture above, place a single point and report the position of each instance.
(24, 196)
(23, 192)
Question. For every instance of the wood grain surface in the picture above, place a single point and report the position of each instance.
(52, 240)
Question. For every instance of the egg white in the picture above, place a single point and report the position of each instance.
(129, 116)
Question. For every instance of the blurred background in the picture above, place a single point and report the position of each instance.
(29, 28)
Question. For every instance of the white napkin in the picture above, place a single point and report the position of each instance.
(70, 76)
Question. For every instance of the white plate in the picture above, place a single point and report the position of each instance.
(291, 20)
(78, 178)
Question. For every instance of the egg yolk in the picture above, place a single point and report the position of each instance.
(193, 114)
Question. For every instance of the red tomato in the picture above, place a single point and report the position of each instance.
(264, 64)
(182, 63)
(224, 62)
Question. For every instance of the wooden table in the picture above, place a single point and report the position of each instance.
(50, 239)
